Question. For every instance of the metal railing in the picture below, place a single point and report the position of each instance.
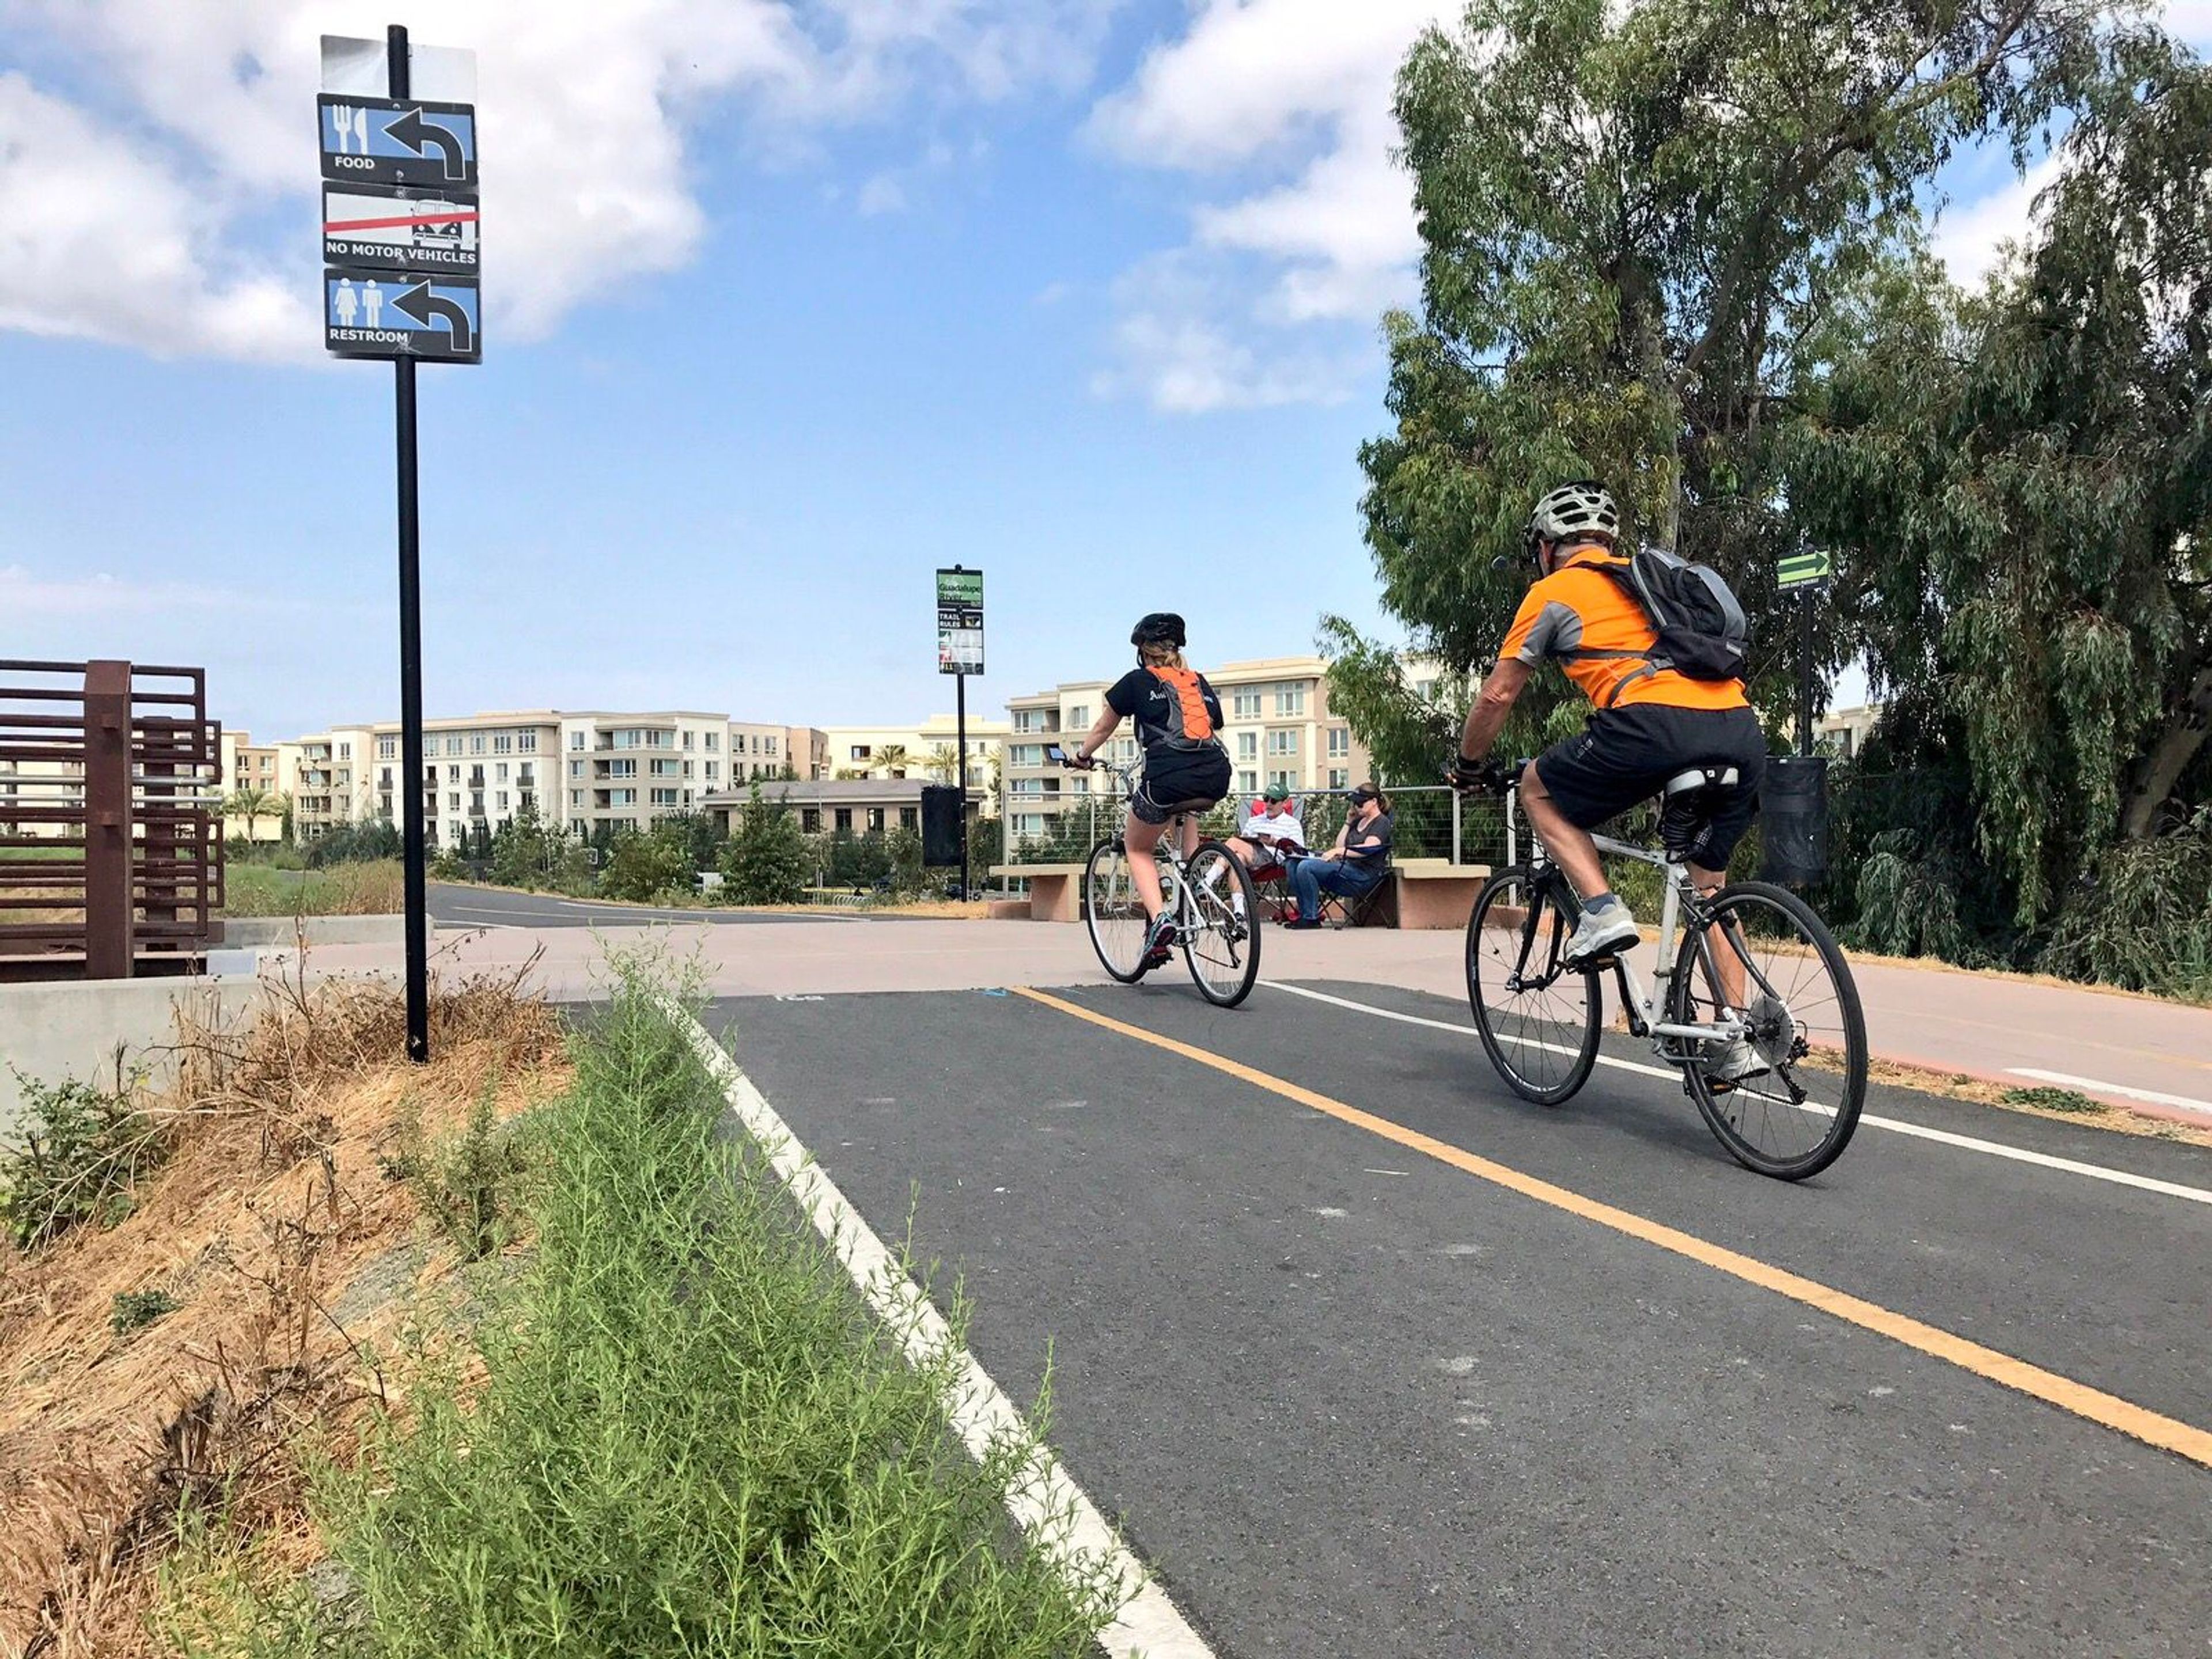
(111, 819)
(1431, 822)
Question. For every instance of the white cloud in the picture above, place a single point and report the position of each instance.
(1971, 240)
(27, 596)
(585, 110)
(881, 194)
(1282, 110)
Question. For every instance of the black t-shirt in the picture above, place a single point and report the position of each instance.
(1142, 696)
(1381, 827)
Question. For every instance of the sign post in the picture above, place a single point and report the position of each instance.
(960, 653)
(1807, 573)
(399, 248)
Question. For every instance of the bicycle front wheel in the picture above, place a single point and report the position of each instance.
(1113, 912)
(1766, 957)
(1539, 1024)
(1221, 941)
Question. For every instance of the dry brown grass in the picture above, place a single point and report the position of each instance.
(271, 1206)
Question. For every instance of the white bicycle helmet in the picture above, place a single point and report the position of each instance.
(1581, 511)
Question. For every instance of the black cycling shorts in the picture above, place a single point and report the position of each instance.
(1173, 776)
(1624, 756)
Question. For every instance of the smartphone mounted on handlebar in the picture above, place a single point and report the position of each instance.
(1056, 755)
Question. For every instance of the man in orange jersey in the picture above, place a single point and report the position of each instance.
(1648, 720)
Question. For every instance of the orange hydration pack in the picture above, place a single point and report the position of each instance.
(1197, 724)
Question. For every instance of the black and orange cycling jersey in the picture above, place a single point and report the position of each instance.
(1173, 708)
(1604, 640)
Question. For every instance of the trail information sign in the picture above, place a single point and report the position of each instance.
(959, 621)
(1801, 568)
(399, 229)
(398, 141)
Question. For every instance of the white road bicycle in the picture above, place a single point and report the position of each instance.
(1211, 895)
(1751, 963)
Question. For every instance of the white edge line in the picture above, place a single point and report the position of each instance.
(1147, 1623)
(2149, 1096)
(1895, 1126)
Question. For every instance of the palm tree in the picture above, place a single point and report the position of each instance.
(892, 759)
(942, 764)
(253, 803)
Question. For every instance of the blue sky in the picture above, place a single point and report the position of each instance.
(787, 307)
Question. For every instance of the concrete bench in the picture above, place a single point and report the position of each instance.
(1054, 889)
(1436, 893)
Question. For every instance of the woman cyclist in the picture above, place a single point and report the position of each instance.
(1178, 719)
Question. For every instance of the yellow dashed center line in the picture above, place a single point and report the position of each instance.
(2109, 1411)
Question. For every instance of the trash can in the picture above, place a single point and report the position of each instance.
(1793, 816)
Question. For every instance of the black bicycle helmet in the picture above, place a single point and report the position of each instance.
(1159, 627)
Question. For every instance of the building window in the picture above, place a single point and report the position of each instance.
(453, 801)
(501, 770)
(525, 779)
(1280, 780)
(502, 800)
(875, 820)
(844, 820)
(453, 745)
(575, 740)
(1284, 742)
(384, 777)
(504, 744)
(687, 740)
(714, 741)
(1340, 741)
(664, 797)
(1245, 705)
(1248, 783)
(809, 820)
(527, 742)
(1290, 700)
(1248, 745)
(771, 743)
(475, 803)
(575, 769)
(1339, 778)
(622, 768)
(862, 751)
(476, 742)
(909, 817)
(387, 749)
(714, 768)
(576, 800)
(1079, 717)
(622, 797)
(453, 774)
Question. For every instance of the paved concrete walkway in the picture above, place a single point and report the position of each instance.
(2115, 1047)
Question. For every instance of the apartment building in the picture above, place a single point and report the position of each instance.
(248, 765)
(860, 750)
(583, 771)
(1276, 726)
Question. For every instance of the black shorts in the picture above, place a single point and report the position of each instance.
(1173, 776)
(1624, 756)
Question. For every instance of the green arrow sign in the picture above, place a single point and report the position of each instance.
(1800, 568)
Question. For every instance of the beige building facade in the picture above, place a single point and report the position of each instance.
(923, 751)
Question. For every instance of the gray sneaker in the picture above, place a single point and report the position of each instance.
(1599, 935)
(1732, 1063)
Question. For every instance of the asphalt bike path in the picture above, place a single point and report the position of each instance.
(1349, 1399)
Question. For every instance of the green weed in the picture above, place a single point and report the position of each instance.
(133, 1310)
(83, 1151)
(2051, 1099)
(690, 1435)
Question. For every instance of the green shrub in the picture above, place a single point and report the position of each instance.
(643, 866)
(766, 860)
(2144, 921)
(83, 1151)
(2054, 1100)
(470, 1188)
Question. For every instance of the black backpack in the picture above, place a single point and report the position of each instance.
(1702, 630)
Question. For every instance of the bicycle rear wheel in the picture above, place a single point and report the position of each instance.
(1793, 1116)
(1539, 1024)
(1113, 912)
(1221, 944)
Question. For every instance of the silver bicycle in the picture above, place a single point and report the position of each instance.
(1751, 964)
(1210, 894)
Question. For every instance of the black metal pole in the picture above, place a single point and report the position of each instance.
(960, 721)
(1805, 669)
(411, 658)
